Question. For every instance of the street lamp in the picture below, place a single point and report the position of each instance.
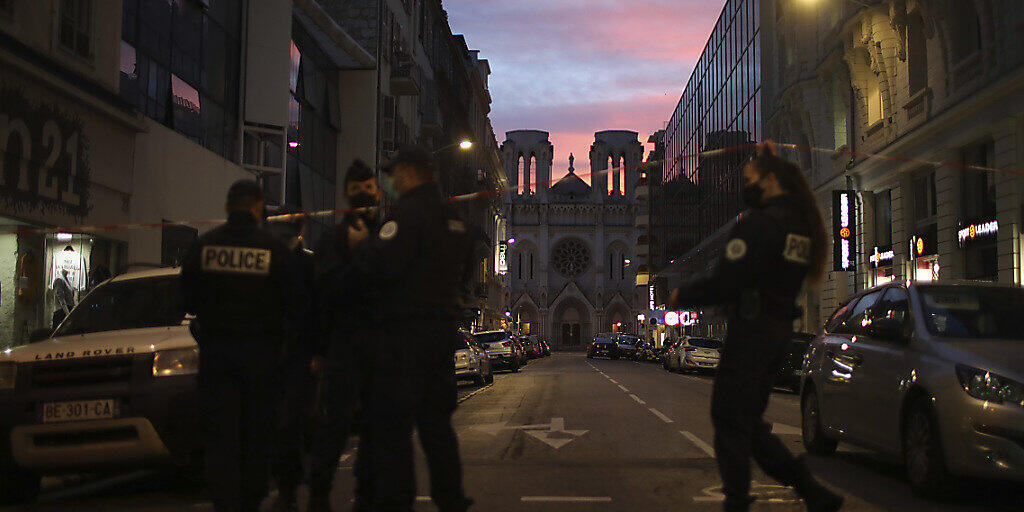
(627, 261)
(464, 145)
(511, 241)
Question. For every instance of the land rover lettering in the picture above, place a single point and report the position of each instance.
(238, 260)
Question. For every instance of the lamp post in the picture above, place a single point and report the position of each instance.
(464, 145)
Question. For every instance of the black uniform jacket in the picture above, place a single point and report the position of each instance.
(762, 267)
(242, 282)
(420, 257)
(345, 294)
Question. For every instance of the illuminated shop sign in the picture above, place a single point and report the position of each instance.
(502, 258)
(650, 301)
(844, 230)
(923, 244)
(977, 232)
(882, 256)
(681, 318)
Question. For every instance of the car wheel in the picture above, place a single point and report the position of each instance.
(18, 486)
(815, 440)
(490, 377)
(515, 367)
(922, 453)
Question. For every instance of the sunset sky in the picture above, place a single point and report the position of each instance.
(573, 67)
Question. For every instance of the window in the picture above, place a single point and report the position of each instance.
(894, 304)
(883, 218)
(180, 65)
(917, 54)
(835, 322)
(854, 323)
(965, 30)
(874, 98)
(979, 196)
(75, 30)
(925, 206)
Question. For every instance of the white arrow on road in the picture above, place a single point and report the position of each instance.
(552, 434)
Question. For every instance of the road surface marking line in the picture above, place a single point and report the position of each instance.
(566, 499)
(423, 498)
(638, 400)
(623, 388)
(699, 443)
(613, 380)
(660, 415)
(467, 397)
(344, 457)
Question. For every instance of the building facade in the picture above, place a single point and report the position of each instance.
(916, 107)
(708, 139)
(570, 246)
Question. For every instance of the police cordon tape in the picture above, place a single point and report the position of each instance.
(484, 193)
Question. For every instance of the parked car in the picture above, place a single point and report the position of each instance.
(626, 345)
(603, 345)
(501, 349)
(115, 387)
(531, 346)
(792, 368)
(545, 348)
(693, 353)
(930, 372)
(472, 362)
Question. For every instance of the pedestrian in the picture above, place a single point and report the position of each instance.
(347, 306)
(240, 283)
(775, 246)
(419, 259)
(293, 425)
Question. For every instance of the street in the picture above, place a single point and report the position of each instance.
(569, 433)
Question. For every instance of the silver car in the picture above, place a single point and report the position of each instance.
(472, 362)
(501, 349)
(930, 372)
(693, 353)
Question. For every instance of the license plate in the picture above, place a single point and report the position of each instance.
(80, 410)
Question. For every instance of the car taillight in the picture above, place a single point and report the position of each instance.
(506, 344)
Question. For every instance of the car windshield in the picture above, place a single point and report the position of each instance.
(603, 340)
(490, 337)
(973, 312)
(132, 304)
(705, 343)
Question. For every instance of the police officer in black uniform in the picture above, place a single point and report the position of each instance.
(293, 425)
(240, 283)
(772, 249)
(419, 258)
(348, 307)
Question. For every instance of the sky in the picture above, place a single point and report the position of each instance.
(574, 67)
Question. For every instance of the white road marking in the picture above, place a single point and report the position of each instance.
(638, 400)
(623, 388)
(660, 415)
(344, 457)
(699, 443)
(785, 430)
(471, 395)
(613, 380)
(552, 434)
(423, 498)
(566, 499)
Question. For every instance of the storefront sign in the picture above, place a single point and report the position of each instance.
(977, 232)
(844, 230)
(502, 258)
(45, 157)
(650, 304)
(882, 256)
(681, 318)
(924, 243)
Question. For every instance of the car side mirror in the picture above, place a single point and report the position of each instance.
(889, 329)
(39, 335)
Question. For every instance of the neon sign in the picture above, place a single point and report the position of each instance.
(970, 233)
(844, 230)
(681, 318)
(882, 256)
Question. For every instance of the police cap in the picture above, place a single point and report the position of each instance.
(245, 191)
(413, 156)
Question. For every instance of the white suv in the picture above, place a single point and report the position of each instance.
(114, 387)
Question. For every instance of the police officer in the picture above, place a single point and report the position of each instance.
(774, 247)
(419, 257)
(293, 419)
(239, 282)
(347, 305)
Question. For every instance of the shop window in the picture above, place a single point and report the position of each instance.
(75, 30)
(978, 187)
(917, 54)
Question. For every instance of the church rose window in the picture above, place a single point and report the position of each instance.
(570, 257)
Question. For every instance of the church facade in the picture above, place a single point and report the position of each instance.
(570, 249)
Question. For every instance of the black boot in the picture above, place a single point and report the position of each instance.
(732, 504)
(817, 497)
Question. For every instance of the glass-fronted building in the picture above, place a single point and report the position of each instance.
(719, 109)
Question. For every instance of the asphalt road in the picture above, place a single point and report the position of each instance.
(568, 433)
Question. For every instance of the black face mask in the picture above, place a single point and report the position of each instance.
(753, 195)
(363, 200)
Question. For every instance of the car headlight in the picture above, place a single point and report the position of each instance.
(8, 374)
(988, 386)
(179, 361)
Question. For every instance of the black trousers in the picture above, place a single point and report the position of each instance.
(743, 384)
(341, 391)
(413, 386)
(238, 402)
(293, 425)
